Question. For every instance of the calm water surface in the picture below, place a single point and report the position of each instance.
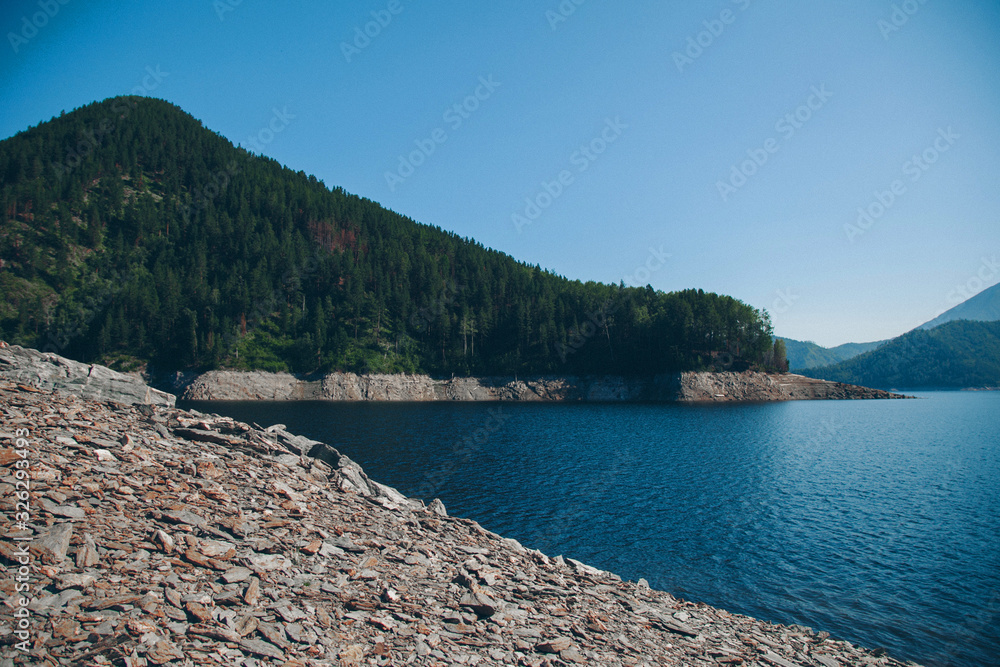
(878, 521)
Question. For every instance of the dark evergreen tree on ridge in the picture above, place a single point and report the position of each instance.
(133, 234)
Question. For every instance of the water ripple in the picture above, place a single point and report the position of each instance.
(878, 521)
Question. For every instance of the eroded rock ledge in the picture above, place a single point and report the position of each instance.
(690, 387)
(50, 371)
(159, 536)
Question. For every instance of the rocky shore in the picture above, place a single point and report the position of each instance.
(49, 371)
(157, 536)
(676, 387)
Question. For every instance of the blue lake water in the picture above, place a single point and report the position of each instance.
(877, 521)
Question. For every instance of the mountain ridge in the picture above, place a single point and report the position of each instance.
(135, 236)
(807, 354)
(960, 354)
(981, 307)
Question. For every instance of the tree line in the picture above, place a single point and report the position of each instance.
(132, 235)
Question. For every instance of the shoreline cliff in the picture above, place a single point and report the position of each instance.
(48, 371)
(748, 386)
(158, 536)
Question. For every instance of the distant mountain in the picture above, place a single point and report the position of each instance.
(984, 307)
(806, 354)
(958, 354)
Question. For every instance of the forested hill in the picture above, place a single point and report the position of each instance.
(806, 354)
(133, 234)
(959, 354)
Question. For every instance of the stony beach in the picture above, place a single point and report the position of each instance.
(157, 536)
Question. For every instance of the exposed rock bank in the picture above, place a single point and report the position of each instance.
(100, 383)
(751, 386)
(158, 536)
(690, 387)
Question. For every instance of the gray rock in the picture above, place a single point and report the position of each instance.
(327, 454)
(479, 603)
(52, 546)
(437, 507)
(778, 661)
(66, 511)
(346, 544)
(74, 580)
(183, 516)
(687, 387)
(236, 574)
(289, 613)
(328, 550)
(556, 645)
(201, 435)
(50, 371)
(53, 603)
(262, 648)
(163, 652)
(249, 386)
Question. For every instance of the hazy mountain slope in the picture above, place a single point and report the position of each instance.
(983, 307)
(958, 354)
(806, 354)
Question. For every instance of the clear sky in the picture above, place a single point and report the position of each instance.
(819, 107)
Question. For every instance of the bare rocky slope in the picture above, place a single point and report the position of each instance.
(725, 386)
(158, 536)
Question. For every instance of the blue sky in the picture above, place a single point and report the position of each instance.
(741, 138)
